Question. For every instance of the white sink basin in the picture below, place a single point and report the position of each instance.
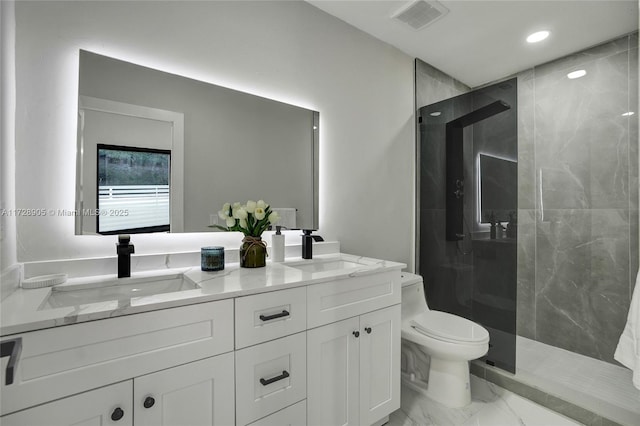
(115, 290)
(324, 266)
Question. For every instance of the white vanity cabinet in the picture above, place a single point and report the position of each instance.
(61, 361)
(354, 356)
(350, 352)
(197, 393)
(354, 374)
(325, 351)
(271, 356)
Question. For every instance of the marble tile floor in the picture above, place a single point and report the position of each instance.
(491, 406)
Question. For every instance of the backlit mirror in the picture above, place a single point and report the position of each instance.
(498, 188)
(158, 152)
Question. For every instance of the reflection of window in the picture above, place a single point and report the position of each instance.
(133, 189)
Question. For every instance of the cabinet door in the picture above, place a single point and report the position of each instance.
(110, 405)
(198, 393)
(379, 364)
(333, 359)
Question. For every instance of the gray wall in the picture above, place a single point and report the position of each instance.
(432, 85)
(577, 194)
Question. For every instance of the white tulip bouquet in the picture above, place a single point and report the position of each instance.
(252, 219)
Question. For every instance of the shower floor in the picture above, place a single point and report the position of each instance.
(580, 387)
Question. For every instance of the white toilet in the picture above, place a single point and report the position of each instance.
(450, 341)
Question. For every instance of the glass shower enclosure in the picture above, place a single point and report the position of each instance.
(467, 211)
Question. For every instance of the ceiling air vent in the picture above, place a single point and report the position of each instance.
(420, 13)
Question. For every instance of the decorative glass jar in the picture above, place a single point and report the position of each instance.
(253, 252)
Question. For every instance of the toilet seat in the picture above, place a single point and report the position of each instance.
(449, 328)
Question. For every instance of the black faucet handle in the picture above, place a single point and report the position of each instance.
(124, 239)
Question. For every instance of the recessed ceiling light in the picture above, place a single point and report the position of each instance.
(435, 113)
(577, 74)
(627, 114)
(537, 36)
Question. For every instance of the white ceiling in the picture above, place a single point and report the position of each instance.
(480, 41)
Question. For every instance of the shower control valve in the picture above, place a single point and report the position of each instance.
(458, 193)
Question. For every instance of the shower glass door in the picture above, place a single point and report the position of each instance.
(467, 190)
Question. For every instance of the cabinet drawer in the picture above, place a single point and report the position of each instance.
(270, 377)
(268, 316)
(295, 415)
(65, 360)
(338, 300)
(95, 407)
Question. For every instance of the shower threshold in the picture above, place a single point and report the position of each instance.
(590, 391)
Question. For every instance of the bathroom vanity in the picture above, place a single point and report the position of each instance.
(301, 342)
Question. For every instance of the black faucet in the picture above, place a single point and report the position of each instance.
(307, 244)
(124, 249)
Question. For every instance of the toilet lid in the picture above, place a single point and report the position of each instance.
(444, 326)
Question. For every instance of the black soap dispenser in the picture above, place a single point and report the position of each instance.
(307, 244)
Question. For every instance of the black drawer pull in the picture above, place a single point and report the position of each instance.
(266, 382)
(284, 313)
(368, 330)
(12, 349)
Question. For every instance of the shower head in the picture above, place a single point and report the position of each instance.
(480, 114)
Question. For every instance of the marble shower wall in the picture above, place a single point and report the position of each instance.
(578, 198)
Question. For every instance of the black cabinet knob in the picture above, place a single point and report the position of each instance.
(356, 333)
(148, 402)
(117, 414)
(368, 330)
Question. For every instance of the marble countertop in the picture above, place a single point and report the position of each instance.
(28, 309)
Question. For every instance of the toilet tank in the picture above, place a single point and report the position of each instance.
(413, 300)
